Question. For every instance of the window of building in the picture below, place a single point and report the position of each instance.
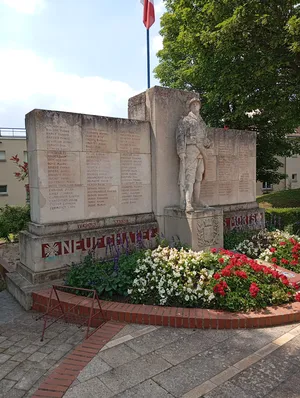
(2, 156)
(3, 189)
(267, 185)
(294, 177)
(25, 156)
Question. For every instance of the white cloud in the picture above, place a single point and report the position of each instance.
(160, 7)
(28, 81)
(25, 6)
(157, 43)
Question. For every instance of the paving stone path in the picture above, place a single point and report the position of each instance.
(152, 362)
(24, 360)
(149, 362)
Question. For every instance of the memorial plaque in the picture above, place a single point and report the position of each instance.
(228, 192)
(131, 167)
(225, 144)
(63, 168)
(209, 193)
(102, 168)
(246, 191)
(135, 199)
(129, 141)
(99, 141)
(227, 170)
(211, 168)
(63, 198)
(131, 194)
(59, 138)
(102, 196)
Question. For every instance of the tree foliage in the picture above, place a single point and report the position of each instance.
(243, 57)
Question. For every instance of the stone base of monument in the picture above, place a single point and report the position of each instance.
(200, 229)
(243, 216)
(47, 251)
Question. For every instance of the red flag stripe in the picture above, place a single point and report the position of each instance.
(149, 13)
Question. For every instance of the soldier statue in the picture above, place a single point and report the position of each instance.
(192, 141)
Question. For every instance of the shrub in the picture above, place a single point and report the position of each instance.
(168, 276)
(285, 218)
(13, 219)
(256, 244)
(223, 280)
(284, 252)
(106, 277)
(233, 238)
(243, 285)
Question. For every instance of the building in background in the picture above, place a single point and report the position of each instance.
(291, 167)
(12, 142)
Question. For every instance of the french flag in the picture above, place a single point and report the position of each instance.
(149, 13)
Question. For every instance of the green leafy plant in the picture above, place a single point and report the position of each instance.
(106, 277)
(13, 219)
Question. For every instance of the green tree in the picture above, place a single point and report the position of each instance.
(242, 56)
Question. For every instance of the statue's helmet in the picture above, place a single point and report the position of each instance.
(195, 99)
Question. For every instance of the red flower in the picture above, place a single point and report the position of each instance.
(17, 174)
(284, 280)
(221, 260)
(274, 259)
(294, 262)
(217, 276)
(254, 289)
(241, 274)
(226, 272)
(297, 296)
(293, 241)
(220, 288)
(285, 261)
(273, 250)
(214, 250)
(282, 243)
(15, 159)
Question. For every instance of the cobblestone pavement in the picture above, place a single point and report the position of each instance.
(149, 362)
(152, 362)
(24, 359)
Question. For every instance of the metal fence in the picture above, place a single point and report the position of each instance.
(12, 132)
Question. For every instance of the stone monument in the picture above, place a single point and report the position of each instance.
(192, 141)
(104, 184)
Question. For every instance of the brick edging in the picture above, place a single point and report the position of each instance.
(58, 382)
(172, 316)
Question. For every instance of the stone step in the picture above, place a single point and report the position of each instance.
(21, 289)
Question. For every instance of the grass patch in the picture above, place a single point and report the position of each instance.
(285, 199)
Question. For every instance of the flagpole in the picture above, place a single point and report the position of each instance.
(148, 57)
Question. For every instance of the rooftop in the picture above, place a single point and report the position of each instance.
(7, 132)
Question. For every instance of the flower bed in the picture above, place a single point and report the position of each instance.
(279, 248)
(183, 278)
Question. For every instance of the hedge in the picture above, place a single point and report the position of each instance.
(284, 218)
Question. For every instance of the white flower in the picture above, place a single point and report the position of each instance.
(186, 298)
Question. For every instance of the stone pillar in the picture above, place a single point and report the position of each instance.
(201, 229)
(162, 107)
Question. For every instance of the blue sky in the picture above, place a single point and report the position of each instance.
(73, 55)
